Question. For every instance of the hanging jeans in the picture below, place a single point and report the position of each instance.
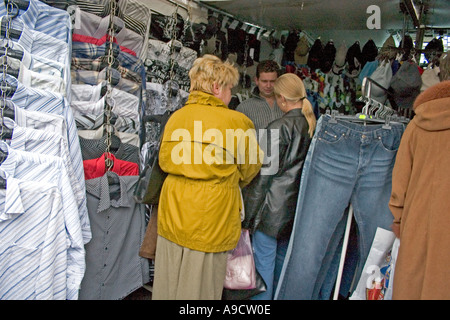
(346, 163)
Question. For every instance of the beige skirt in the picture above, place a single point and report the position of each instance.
(185, 274)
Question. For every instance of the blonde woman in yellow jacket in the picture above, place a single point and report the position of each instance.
(209, 152)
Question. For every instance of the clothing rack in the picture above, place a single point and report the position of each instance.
(6, 109)
(383, 115)
(109, 101)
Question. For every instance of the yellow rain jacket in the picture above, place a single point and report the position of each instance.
(208, 151)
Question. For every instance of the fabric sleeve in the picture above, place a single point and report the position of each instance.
(401, 176)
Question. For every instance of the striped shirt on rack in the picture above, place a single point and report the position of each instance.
(33, 249)
(48, 169)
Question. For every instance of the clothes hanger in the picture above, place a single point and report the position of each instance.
(384, 115)
(6, 89)
(109, 102)
(6, 49)
(6, 29)
(6, 68)
(21, 4)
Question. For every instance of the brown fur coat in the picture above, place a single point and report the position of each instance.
(420, 200)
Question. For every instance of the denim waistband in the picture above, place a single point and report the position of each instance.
(360, 130)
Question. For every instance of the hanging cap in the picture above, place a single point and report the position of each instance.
(301, 52)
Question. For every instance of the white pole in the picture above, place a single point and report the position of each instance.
(344, 252)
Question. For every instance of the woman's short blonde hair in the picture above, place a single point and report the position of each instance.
(210, 69)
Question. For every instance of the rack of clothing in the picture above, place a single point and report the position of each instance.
(108, 81)
(167, 81)
(72, 84)
(44, 223)
(347, 174)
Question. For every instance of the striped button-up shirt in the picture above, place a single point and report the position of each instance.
(51, 143)
(136, 14)
(53, 104)
(33, 242)
(86, 100)
(49, 169)
(92, 51)
(94, 29)
(42, 44)
(37, 79)
(44, 18)
(37, 63)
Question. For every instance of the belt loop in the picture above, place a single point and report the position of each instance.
(349, 131)
(377, 134)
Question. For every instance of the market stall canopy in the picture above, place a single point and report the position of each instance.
(334, 19)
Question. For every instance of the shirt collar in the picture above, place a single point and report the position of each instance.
(29, 16)
(19, 135)
(13, 200)
(104, 189)
(26, 57)
(8, 166)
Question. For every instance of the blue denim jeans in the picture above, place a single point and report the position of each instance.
(346, 163)
(269, 256)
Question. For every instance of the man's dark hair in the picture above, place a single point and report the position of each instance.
(267, 66)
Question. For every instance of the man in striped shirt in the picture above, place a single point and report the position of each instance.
(262, 108)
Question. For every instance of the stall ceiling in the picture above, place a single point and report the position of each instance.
(331, 16)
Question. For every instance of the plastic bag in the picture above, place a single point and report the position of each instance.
(376, 277)
(241, 273)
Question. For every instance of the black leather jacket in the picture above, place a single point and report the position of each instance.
(270, 200)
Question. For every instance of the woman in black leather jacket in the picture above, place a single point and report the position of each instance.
(270, 200)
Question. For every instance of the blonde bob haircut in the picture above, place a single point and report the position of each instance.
(210, 69)
(291, 87)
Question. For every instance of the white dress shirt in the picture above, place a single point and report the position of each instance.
(48, 169)
(33, 242)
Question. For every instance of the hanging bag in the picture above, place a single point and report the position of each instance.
(151, 179)
(383, 76)
(430, 77)
(241, 272)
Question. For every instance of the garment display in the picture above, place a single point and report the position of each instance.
(94, 148)
(34, 62)
(87, 101)
(125, 137)
(113, 266)
(346, 163)
(42, 150)
(44, 169)
(46, 221)
(164, 59)
(98, 64)
(92, 51)
(108, 81)
(95, 168)
(40, 105)
(93, 29)
(86, 88)
(44, 18)
(50, 143)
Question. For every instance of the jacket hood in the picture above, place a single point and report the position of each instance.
(432, 108)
